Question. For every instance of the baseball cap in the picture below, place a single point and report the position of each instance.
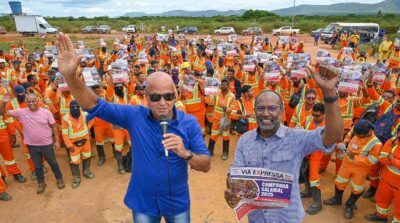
(19, 89)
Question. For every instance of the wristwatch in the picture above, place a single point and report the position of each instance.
(331, 99)
(189, 157)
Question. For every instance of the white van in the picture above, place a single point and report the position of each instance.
(368, 30)
(32, 24)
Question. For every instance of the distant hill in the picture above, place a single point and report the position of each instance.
(184, 13)
(388, 6)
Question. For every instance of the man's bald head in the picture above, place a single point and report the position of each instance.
(159, 80)
(267, 95)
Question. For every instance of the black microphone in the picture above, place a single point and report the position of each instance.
(164, 124)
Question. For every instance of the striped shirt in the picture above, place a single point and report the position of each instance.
(282, 152)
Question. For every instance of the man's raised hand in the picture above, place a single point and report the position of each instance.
(68, 62)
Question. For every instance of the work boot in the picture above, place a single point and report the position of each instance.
(370, 192)
(306, 193)
(316, 206)
(18, 177)
(225, 149)
(335, 200)
(101, 154)
(211, 145)
(60, 184)
(41, 188)
(350, 205)
(76, 175)
(33, 176)
(120, 164)
(375, 217)
(4, 196)
(86, 169)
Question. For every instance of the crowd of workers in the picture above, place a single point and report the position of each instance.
(362, 157)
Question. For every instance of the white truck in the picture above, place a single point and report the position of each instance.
(32, 24)
(285, 31)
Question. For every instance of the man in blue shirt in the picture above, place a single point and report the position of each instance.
(159, 184)
(279, 148)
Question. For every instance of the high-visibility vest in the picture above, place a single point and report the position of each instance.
(64, 108)
(391, 167)
(72, 133)
(217, 107)
(365, 150)
(3, 123)
(125, 99)
(246, 80)
(197, 66)
(195, 98)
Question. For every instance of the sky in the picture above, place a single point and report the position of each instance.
(113, 8)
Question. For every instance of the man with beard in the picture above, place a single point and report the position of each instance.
(279, 148)
(117, 94)
(235, 87)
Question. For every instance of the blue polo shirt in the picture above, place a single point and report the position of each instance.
(148, 191)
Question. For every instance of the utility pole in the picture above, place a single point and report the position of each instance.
(294, 5)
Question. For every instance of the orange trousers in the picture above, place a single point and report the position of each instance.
(384, 196)
(77, 154)
(326, 158)
(215, 131)
(120, 135)
(314, 161)
(8, 156)
(374, 175)
(101, 132)
(352, 173)
(3, 186)
(200, 116)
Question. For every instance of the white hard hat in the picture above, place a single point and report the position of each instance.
(2, 61)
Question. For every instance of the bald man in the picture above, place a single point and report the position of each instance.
(159, 183)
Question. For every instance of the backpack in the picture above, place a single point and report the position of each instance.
(383, 125)
(295, 99)
(242, 124)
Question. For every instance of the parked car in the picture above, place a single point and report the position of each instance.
(252, 31)
(104, 29)
(129, 29)
(3, 30)
(90, 29)
(316, 31)
(224, 30)
(285, 30)
(189, 30)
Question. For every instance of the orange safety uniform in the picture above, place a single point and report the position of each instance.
(356, 170)
(102, 129)
(180, 106)
(137, 100)
(300, 115)
(314, 159)
(5, 149)
(252, 80)
(394, 59)
(195, 106)
(3, 185)
(228, 101)
(209, 102)
(74, 130)
(389, 185)
(247, 109)
(120, 134)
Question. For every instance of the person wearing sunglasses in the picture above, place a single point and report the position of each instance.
(279, 148)
(303, 110)
(312, 184)
(139, 97)
(148, 194)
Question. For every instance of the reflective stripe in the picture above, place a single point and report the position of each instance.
(356, 187)
(314, 183)
(246, 80)
(395, 220)
(308, 121)
(2, 124)
(9, 163)
(372, 159)
(383, 155)
(64, 131)
(9, 120)
(214, 132)
(369, 146)
(63, 109)
(395, 128)
(252, 120)
(116, 101)
(341, 180)
(100, 143)
(15, 104)
(373, 178)
(382, 211)
(225, 133)
(119, 147)
(393, 169)
(75, 158)
(86, 155)
(27, 155)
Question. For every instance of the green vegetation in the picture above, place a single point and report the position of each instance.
(264, 19)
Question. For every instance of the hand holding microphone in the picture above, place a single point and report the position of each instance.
(172, 141)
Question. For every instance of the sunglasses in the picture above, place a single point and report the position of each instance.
(271, 108)
(157, 97)
(311, 98)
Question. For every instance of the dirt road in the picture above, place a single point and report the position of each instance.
(101, 199)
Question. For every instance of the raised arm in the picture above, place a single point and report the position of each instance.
(68, 63)
(327, 79)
